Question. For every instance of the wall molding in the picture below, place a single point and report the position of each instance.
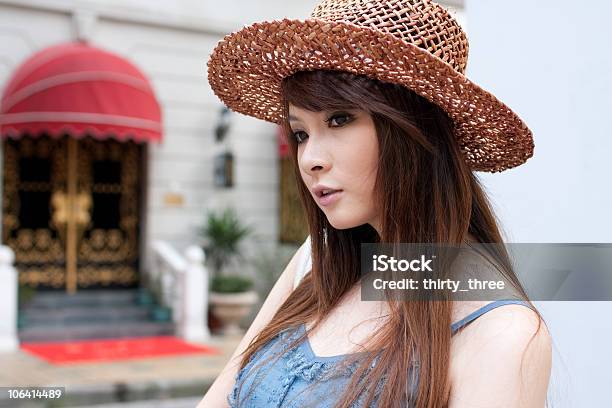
(153, 19)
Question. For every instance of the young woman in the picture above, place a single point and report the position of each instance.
(385, 132)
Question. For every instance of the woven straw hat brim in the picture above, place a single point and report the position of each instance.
(247, 67)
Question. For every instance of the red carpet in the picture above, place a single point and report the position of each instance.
(91, 351)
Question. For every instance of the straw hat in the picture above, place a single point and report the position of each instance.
(415, 43)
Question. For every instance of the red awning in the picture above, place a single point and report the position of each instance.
(81, 90)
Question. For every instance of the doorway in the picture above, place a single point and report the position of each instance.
(71, 211)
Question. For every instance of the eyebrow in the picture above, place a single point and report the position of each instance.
(349, 110)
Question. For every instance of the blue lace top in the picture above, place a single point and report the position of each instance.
(288, 380)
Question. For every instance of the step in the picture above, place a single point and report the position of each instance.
(95, 331)
(134, 394)
(188, 402)
(71, 315)
(94, 298)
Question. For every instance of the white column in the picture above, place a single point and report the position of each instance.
(8, 301)
(194, 322)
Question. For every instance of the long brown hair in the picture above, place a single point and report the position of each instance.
(418, 148)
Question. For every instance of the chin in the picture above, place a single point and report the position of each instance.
(342, 223)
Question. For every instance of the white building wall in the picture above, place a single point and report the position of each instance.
(549, 61)
(170, 42)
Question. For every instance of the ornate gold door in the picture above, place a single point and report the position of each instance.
(71, 212)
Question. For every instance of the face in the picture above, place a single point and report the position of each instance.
(338, 150)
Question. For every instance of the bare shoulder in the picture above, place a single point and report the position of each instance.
(503, 358)
(513, 320)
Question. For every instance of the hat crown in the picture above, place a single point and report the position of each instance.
(420, 22)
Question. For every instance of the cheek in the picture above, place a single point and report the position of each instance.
(360, 171)
(364, 186)
(364, 168)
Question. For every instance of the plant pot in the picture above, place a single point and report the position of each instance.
(21, 321)
(144, 298)
(231, 308)
(161, 314)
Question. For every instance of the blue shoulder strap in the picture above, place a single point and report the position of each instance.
(490, 306)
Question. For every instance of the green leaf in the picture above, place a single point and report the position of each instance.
(231, 284)
(224, 232)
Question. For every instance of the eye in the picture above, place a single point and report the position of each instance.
(300, 136)
(339, 119)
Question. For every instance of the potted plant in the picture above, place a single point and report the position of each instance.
(231, 294)
(144, 297)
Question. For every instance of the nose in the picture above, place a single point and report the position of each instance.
(314, 158)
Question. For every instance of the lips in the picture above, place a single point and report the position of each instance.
(326, 195)
(327, 192)
(321, 190)
(329, 198)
